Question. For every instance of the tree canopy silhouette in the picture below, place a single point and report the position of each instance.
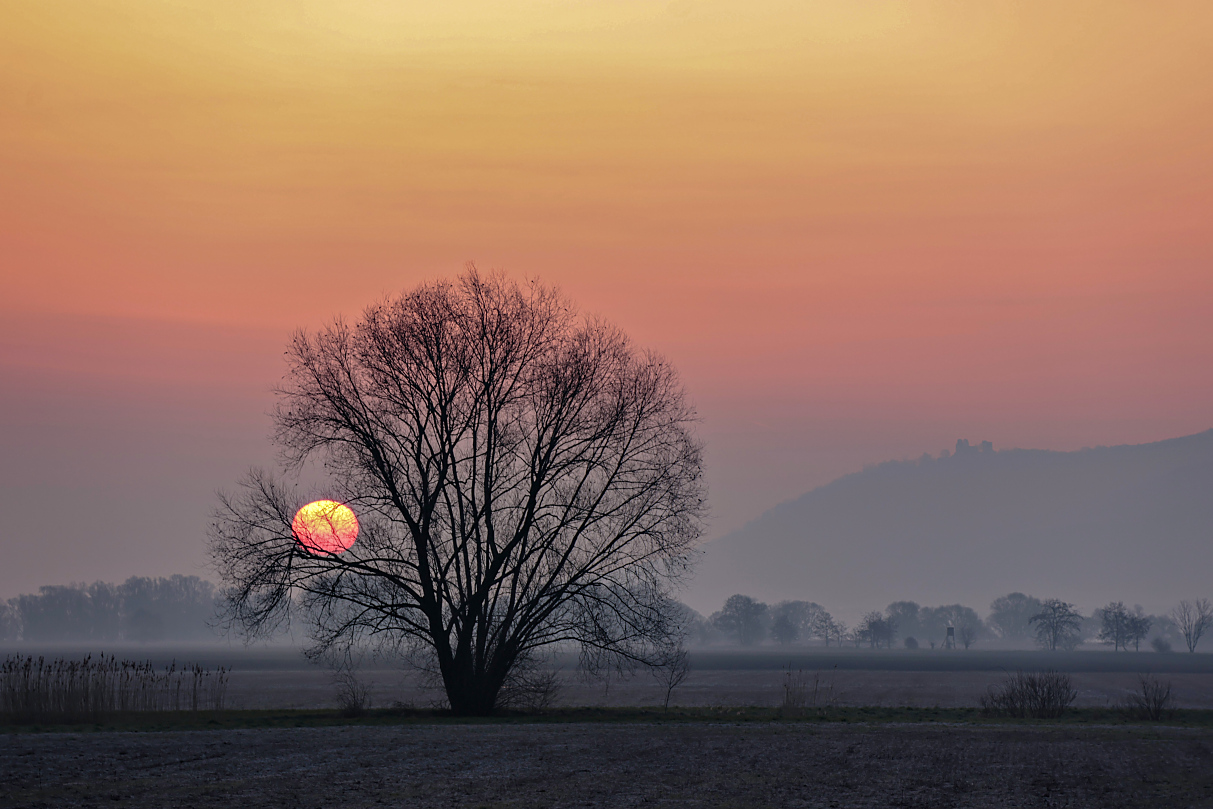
(523, 475)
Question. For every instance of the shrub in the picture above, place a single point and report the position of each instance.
(911, 643)
(1152, 699)
(353, 695)
(1043, 695)
(1161, 645)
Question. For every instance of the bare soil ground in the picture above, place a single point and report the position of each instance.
(685, 764)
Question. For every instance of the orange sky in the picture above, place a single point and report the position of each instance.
(861, 229)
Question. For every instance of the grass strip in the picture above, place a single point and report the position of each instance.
(160, 721)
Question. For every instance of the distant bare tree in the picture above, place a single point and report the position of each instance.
(905, 614)
(1138, 628)
(795, 620)
(671, 669)
(1194, 619)
(967, 635)
(524, 476)
(877, 630)
(1011, 615)
(1114, 625)
(829, 630)
(784, 630)
(1057, 624)
(744, 618)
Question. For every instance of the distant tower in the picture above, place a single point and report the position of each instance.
(950, 641)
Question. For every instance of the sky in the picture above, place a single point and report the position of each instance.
(861, 230)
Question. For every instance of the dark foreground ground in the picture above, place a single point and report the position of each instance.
(611, 764)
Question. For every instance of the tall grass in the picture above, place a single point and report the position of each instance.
(40, 690)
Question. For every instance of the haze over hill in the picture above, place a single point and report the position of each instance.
(1131, 523)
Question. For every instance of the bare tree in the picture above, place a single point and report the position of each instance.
(967, 635)
(744, 618)
(1194, 619)
(523, 477)
(1138, 628)
(1057, 624)
(1010, 615)
(825, 627)
(671, 669)
(1115, 621)
(877, 630)
(795, 620)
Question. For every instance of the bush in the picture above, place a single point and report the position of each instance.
(1152, 699)
(1161, 645)
(1030, 696)
(353, 695)
(911, 643)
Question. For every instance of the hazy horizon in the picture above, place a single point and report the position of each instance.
(859, 231)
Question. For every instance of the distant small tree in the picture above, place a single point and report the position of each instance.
(1194, 619)
(671, 669)
(967, 635)
(877, 630)
(744, 618)
(1057, 624)
(795, 620)
(1011, 616)
(1114, 625)
(10, 622)
(784, 630)
(825, 627)
(1139, 627)
(905, 614)
(1160, 645)
(911, 642)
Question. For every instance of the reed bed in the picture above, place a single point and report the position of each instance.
(40, 690)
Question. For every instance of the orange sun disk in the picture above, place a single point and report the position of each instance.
(325, 526)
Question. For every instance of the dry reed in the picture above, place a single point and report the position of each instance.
(40, 690)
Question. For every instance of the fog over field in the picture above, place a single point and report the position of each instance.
(1131, 523)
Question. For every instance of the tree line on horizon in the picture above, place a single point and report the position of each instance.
(1015, 618)
(178, 607)
(141, 609)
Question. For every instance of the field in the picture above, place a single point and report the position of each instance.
(728, 745)
(615, 764)
(279, 677)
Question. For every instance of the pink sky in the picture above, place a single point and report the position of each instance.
(860, 230)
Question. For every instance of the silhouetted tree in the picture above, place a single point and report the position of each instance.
(966, 635)
(1193, 619)
(1057, 624)
(1114, 625)
(824, 626)
(877, 630)
(743, 618)
(1011, 616)
(10, 621)
(523, 477)
(692, 626)
(1138, 627)
(905, 615)
(798, 619)
(784, 630)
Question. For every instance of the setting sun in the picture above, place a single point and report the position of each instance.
(325, 526)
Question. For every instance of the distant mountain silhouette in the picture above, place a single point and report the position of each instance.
(1131, 523)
